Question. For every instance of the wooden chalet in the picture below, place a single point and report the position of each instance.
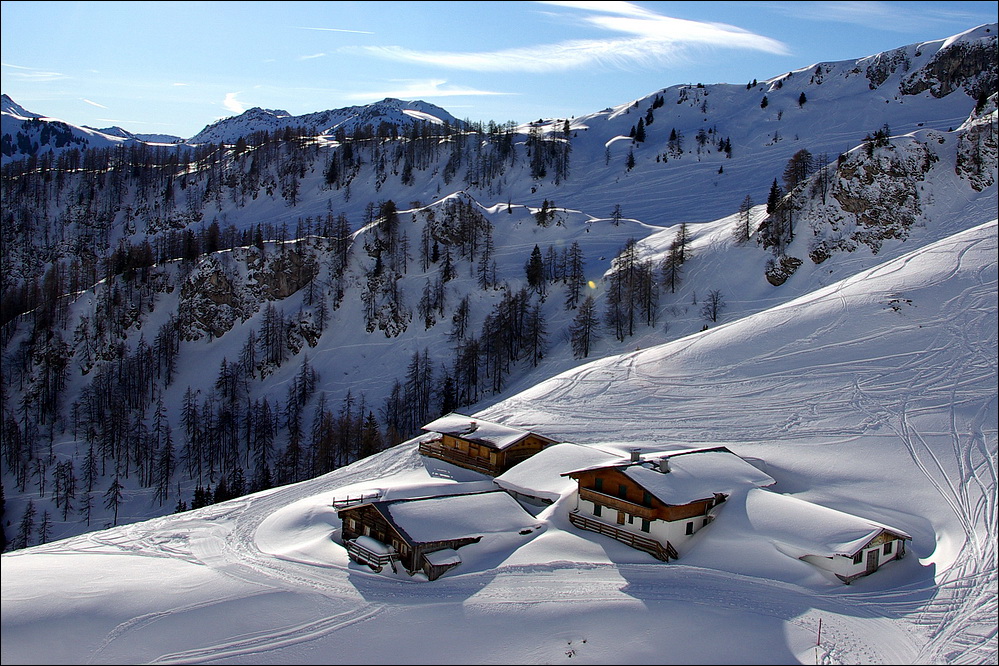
(424, 534)
(479, 445)
(845, 545)
(657, 503)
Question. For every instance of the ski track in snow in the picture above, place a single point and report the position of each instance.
(870, 627)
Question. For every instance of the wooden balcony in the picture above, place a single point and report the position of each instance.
(456, 457)
(616, 503)
(374, 560)
(638, 542)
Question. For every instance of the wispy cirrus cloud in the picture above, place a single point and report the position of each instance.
(93, 103)
(31, 73)
(645, 38)
(232, 104)
(358, 32)
(312, 57)
(421, 89)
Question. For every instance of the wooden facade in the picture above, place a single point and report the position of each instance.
(610, 487)
(471, 448)
(610, 502)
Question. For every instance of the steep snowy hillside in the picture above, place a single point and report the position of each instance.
(875, 395)
(186, 326)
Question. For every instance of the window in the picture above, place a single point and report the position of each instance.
(631, 519)
(622, 491)
(596, 510)
(646, 498)
(858, 558)
(598, 483)
(690, 528)
(704, 524)
(646, 525)
(888, 547)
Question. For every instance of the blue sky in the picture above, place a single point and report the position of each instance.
(174, 67)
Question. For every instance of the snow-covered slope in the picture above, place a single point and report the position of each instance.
(875, 395)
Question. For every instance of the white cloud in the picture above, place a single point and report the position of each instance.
(231, 103)
(31, 73)
(92, 103)
(647, 38)
(359, 32)
(420, 89)
(311, 57)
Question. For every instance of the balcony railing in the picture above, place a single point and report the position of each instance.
(365, 556)
(435, 450)
(351, 500)
(616, 503)
(646, 544)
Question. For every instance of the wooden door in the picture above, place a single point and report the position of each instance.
(873, 559)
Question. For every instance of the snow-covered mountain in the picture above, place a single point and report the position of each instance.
(147, 138)
(25, 133)
(385, 118)
(233, 308)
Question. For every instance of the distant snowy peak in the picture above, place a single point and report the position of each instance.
(385, 117)
(27, 133)
(10, 107)
(146, 138)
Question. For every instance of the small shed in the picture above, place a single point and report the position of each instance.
(424, 534)
(841, 543)
(478, 444)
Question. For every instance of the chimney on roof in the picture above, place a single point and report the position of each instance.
(664, 465)
(636, 455)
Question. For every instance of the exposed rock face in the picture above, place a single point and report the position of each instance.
(281, 274)
(221, 290)
(970, 66)
(885, 64)
(877, 197)
(976, 150)
(209, 302)
(779, 271)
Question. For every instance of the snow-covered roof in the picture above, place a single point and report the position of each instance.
(458, 516)
(693, 474)
(541, 475)
(443, 557)
(803, 528)
(480, 431)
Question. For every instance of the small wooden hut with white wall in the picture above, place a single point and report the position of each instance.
(845, 545)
